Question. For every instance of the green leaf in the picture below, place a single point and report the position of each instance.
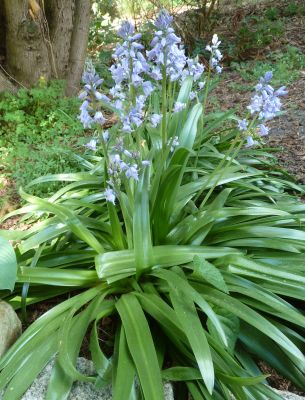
(71, 335)
(252, 318)
(207, 271)
(102, 364)
(122, 263)
(177, 374)
(141, 346)
(117, 232)
(186, 88)
(188, 133)
(57, 276)
(124, 376)
(188, 317)
(141, 226)
(29, 367)
(67, 217)
(8, 265)
(257, 343)
(230, 324)
(189, 292)
(165, 204)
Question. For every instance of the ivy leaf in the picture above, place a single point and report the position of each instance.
(8, 265)
(208, 272)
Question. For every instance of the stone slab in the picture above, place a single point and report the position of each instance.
(84, 390)
(80, 390)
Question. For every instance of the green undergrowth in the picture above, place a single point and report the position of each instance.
(286, 65)
(38, 129)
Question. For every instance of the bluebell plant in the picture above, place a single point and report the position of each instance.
(137, 74)
(264, 106)
(192, 249)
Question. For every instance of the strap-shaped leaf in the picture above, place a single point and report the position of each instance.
(102, 364)
(189, 131)
(8, 265)
(115, 263)
(38, 332)
(57, 276)
(256, 343)
(230, 325)
(188, 317)
(192, 295)
(141, 346)
(165, 203)
(67, 217)
(209, 273)
(117, 232)
(31, 365)
(70, 338)
(255, 319)
(141, 226)
(124, 376)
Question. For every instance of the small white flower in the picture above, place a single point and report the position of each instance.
(109, 195)
(218, 54)
(105, 135)
(99, 118)
(263, 130)
(174, 143)
(178, 107)
(127, 153)
(132, 172)
(242, 124)
(250, 141)
(192, 95)
(215, 41)
(155, 119)
(92, 145)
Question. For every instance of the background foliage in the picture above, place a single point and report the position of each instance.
(38, 129)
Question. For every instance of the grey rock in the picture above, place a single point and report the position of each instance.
(285, 395)
(289, 396)
(84, 390)
(80, 390)
(10, 326)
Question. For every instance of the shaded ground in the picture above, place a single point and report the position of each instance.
(277, 381)
(287, 131)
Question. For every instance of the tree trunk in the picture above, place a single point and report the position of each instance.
(59, 13)
(6, 84)
(79, 43)
(2, 32)
(43, 39)
(26, 51)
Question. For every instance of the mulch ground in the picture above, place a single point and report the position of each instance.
(287, 131)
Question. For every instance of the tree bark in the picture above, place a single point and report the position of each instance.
(41, 38)
(2, 32)
(6, 84)
(78, 46)
(26, 52)
(59, 14)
